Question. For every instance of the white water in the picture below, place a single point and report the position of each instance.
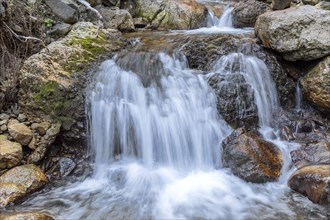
(224, 21)
(298, 97)
(157, 149)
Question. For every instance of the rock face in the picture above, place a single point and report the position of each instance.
(11, 153)
(312, 181)
(19, 182)
(280, 4)
(21, 133)
(62, 10)
(25, 216)
(235, 100)
(170, 14)
(246, 12)
(52, 81)
(316, 85)
(251, 157)
(300, 33)
(116, 18)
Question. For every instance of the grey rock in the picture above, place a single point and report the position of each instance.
(280, 4)
(235, 100)
(310, 2)
(313, 153)
(60, 29)
(3, 128)
(246, 12)
(52, 133)
(300, 33)
(65, 12)
(116, 18)
(325, 5)
(21, 118)
(4, 116)
(2, 98)
(110, 3)
(66, 166)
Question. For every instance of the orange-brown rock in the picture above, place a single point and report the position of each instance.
(312, 181)
(25, 216)
(251, 157)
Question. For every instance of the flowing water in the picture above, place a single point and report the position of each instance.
(156, 135)
(299, 97)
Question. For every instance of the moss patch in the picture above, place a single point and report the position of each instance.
(51, 99)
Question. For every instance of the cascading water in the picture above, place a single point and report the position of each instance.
(157, 150)
(224, 21)
(298, 97)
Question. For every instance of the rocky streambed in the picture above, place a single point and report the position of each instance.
(59, 134)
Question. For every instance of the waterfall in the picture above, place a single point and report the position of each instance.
(257, 75)
(175, 123)
(298, 97)
(224, 21)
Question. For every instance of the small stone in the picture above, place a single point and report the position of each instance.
(21, 118)
(4, 116)
(52, 133)
(38, 154)
(3, 128)
(11, 153)
(2, 122)
(41, 128)
(32, 144)
(66, 166)
(21, 133)
(12, 121)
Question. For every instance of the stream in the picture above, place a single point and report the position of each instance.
(156, 135)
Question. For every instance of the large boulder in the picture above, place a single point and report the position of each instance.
(20, 181)
(52, 82)
(116, 18)
(170, 14)
(316, 85)
(251, 158)
(300, 33)
(235, 100)
(11, 153)
(246, 12)
(21, 133)
(312, 181)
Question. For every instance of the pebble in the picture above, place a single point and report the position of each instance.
(3, 127)
(21, 118)
(4, 116)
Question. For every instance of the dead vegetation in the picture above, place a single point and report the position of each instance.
(22, 33)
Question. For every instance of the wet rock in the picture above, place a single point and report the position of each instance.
(246, 12)
(11, 153)
(10, 192)
(313, 153)
(41, 128)
(280, 4)
(67, 13)
(310, 2)
(25, 216)
(30, 177)
(316, 85)
(66, 166)
(300, 33)
(312, 181)
(251, 157)
(21, 133)
(116, 18)
(235, 100)
(171, 14)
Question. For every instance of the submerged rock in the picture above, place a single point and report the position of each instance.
(170, 14)
(21, 133)
(25, 216)
(251, 158)
(246, 12)
(312, 181)
(235, 100)
(316, 85)
(20, 181)
(300, 33)
(11, 153)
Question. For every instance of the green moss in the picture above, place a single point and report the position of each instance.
(92, 49)
(51, 99)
